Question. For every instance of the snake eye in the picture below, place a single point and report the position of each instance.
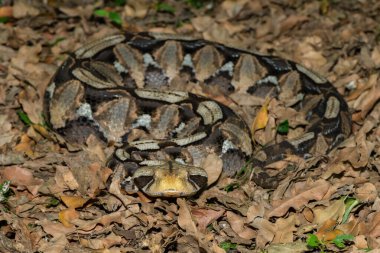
(143, 181)
(199, 181)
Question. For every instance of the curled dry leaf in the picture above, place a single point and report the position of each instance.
(265, 231)
(7, 134)
(86, 226)
(367, 192)
(292, 21)
(101, 243)
(64, 179)
(31, 104)
(293, 247)
(138, 9)
(204, 217)
(213, 165)
(54, 245)
(310, 191)
(91, 177)
(185, 220)
(114, 188)
(285, 228)
(233, 8)
(374, 225)
(238, 225)
(361, 242)
(354, 227)
(24, 8)
(365, 103)
(201, 24)
(55, 229)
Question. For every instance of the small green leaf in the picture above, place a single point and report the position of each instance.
(164, 7)
(56, 41)
(210, 227)
(312, 241)
(24, 118)
(340, 240)
(4, 190)
(227, 245)
(196, 3)
(283, 127)
(324, 7)
(53, 202)
(4, 19)
(231, 187)
(115, 17)
(120, 2)
(350, 204)
(101, 13)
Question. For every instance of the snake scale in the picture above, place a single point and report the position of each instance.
(133, 91)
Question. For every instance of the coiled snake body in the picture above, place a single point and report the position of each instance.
(134, 91)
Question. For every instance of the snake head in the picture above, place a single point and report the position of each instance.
(170, 179)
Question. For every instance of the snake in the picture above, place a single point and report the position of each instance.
(139, 93)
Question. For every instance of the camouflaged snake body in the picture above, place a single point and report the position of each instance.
(133, 90)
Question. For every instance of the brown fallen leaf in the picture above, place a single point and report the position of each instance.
(306, 191)
(367, 192)
(213, 165)
(355, 226)
(334, 211)
(185, 220)
(22, 9)
(361, 242)
(293, 247)
(86, 226)
(292, 21)
(285, 228)
(327, 231)
(54, 245)
(138, 9)
(101, 243)
(374, 225)
(238, 225)
(55, 229)
(64, 179)
(254, 211)
(365, 103)
(31, 104)
(21, 177)
(266, 231)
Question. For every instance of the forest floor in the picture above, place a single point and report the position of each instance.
(52, 206)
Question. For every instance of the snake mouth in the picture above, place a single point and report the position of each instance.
(170, 179)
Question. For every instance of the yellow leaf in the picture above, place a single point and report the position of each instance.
(25, 145)
(327, 231)
(42, 130)
(74, 201)
(261, 119)
(67, 215)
